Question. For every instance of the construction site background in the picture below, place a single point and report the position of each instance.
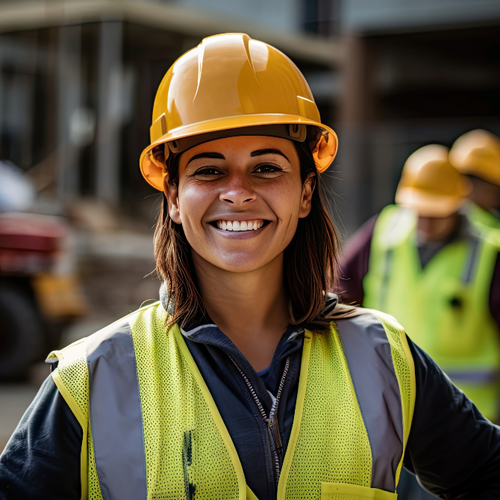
(77, 83)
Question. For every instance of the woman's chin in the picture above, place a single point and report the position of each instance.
(240, 262)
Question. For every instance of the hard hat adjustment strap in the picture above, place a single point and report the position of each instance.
(294, 131)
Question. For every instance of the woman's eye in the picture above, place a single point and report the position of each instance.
(207, 172)
(267, 169)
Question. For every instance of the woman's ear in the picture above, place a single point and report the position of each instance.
(172, 194)
(306, 197)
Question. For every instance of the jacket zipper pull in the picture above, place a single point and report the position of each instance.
(277, 436)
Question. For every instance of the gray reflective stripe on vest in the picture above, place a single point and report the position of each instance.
(369, 358)
(384, 287)
(471, 261)
(116, 415)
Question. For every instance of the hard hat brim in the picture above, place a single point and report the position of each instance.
(154, 175)
(428, 204)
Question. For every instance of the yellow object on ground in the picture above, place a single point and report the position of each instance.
(59, 295)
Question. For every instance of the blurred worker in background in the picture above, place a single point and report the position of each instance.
(425, 263)
(247, 380)
(476, 154)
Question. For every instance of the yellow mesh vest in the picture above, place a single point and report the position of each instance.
(482, 219)
(176, 403)
(338, 468)
(72, 380)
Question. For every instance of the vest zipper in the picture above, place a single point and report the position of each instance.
(271, 420)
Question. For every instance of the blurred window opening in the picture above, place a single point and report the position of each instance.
(321, 17)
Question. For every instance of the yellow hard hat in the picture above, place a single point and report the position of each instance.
(430, 185)
(477, 153)
(232, 82)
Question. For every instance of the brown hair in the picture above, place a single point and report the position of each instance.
(310, 260)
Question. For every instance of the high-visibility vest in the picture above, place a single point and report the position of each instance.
(444, 307)
(480, 218)
(151, 429)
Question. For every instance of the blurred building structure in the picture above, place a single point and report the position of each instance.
(77, 82)
(78, 77)
(413, 73)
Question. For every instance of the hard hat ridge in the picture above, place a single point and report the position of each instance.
(227, 84)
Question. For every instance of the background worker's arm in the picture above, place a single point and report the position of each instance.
(42, 458)
(452, 448)
(354, 264)
(494, 298)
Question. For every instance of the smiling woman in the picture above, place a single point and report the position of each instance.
(247, 380)
(216, 189)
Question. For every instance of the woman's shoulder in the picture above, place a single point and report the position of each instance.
(361, 318)
(118, 332)
(364, 316)
(370, 328)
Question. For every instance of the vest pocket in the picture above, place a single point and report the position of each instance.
(338, 491)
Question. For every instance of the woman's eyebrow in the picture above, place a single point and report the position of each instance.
(269, 151)
(219, 156)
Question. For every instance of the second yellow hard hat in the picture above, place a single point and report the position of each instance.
(430, 185)
(477, 153)
(231, 82)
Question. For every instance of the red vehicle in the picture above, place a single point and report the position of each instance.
(37, 300)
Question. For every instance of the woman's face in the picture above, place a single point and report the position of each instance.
(239, 200)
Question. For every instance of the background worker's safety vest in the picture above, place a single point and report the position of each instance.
(480, 218)
(152, 429)
(444, 307)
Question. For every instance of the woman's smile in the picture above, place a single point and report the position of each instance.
(239, 226)
(240, 230)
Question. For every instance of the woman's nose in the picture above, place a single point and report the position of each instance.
(237, 192)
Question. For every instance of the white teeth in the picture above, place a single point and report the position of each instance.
(227, 225)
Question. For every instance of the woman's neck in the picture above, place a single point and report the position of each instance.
(250, 308)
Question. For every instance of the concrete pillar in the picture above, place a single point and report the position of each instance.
(356, 115)
(69, 96)
(110, 111)
(2, 89)
(357, 104)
